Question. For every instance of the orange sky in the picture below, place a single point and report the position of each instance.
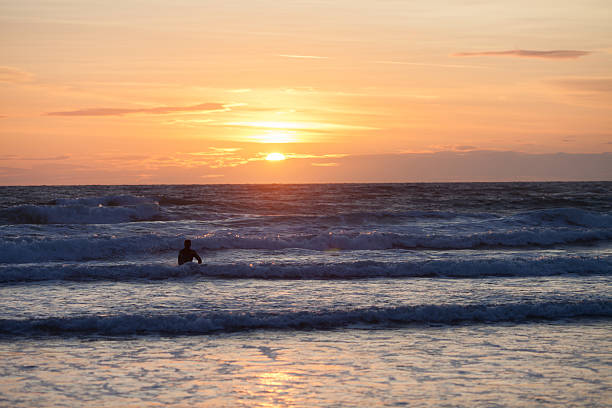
(190, 91)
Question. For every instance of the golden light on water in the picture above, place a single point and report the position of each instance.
(275, 157)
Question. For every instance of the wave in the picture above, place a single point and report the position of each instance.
(355, 218)
(521, 237)
(22, 250)
(215, 322)
(112, 209)
(108, 201)
(565, 217)
(93, 210)
(467, 268)
(83, 249)
(556, 217)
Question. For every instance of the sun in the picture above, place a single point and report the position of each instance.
(275, 157)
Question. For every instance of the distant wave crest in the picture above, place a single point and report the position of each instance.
(566, 216)
(94, 210)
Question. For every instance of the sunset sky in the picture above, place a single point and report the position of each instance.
(194, 91)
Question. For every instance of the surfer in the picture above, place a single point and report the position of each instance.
(187, 254)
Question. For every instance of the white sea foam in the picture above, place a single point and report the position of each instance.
(211, 322)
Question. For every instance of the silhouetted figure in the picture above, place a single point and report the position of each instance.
(187, 254)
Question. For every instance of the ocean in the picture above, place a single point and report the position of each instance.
(331, 295)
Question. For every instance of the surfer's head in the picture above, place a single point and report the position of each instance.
(187, 243)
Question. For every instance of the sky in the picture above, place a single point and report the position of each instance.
(198, 92)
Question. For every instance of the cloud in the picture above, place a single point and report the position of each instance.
(443, 148)
(601, 85)
(161, 110)
(465, 147)
(11, 75)
(315, 156)
(187, 122)
(325, 164)
(302, 56)
(478, 165)
(458, 166)
(45, 158)
(217, 151)
(553, 54)
(423, 64)
(312, 126)
(214, 157)
(120, 158)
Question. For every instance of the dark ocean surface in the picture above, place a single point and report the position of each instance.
(458, 294)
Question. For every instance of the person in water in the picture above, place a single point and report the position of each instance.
(187, 254)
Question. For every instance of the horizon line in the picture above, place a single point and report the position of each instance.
(312, 183)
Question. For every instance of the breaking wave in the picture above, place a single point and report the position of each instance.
(467, 268)
(24, 250)
(94, 210)
(216, 322)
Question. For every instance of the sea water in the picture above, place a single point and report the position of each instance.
(462, 294)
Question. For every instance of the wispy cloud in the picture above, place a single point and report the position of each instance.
(552, 54)
(600, 85)
(160, 110)
(315, 156)
(296, 125)
(217, 151)
(424, 64)
(188, 122)
(214, 157)
(479, 165)
(465, 147)
(217, 157)
(442, 148)
(15, 157)
(325, 164)
(302, 56)
(12, 75)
